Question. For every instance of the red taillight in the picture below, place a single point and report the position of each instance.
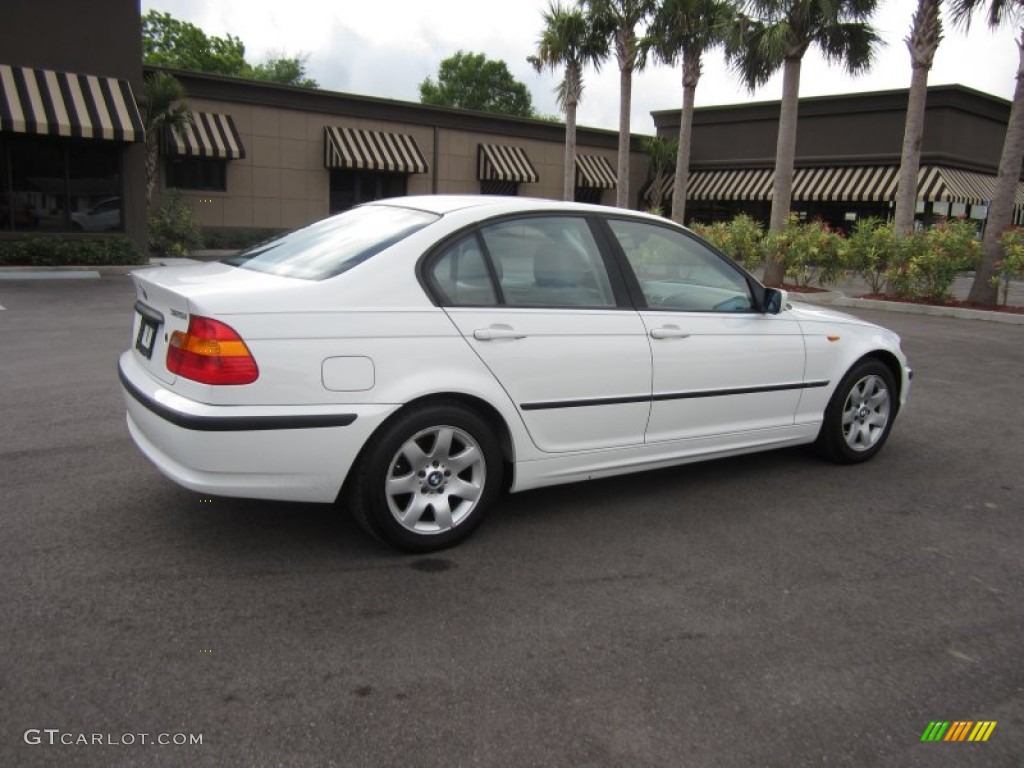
(212, 353)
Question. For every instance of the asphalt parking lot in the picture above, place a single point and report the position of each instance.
(770, 610)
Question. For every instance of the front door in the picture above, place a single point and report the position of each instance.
(720, 366)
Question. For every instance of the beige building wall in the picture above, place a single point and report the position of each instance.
(282, 182)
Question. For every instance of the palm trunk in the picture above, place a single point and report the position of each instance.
(925, 34)
(625, 103)
(691, 74)
(910, 159)
(152, 163)
(1000, 211)
(785, 152)
(569, 172)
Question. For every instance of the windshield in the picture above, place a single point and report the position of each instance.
(335, 245)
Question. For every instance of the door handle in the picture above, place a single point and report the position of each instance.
(669, 332)
(497, 332)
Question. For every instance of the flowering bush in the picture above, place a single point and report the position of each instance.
(808, 252)
(738, 239)
(1011, 266)
(930, 261)
(871, 249)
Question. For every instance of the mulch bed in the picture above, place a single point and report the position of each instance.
(791, 288)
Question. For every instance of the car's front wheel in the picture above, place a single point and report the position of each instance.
(426, 480)
(860, 414)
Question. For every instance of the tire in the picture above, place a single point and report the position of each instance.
(860, 415)
(427, 479)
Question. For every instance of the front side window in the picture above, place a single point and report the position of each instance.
(335, 245)
(678, 272)
(548, 262)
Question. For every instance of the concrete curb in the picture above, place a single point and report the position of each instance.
(79, 273)
(837, 299)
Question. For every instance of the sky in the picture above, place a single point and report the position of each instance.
(387, 47)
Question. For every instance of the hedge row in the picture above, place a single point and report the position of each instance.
(920, 266)
(56, 251)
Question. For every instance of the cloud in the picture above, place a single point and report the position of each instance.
(386, 48)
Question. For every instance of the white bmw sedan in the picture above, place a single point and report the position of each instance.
(414, 358)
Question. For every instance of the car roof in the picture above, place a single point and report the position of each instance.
(496, 204)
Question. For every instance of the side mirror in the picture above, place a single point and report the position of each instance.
(775, 300)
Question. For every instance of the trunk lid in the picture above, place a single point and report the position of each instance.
(167, 296)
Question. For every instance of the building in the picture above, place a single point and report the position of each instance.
(257, 157)
(71, 151)
(261, 155)
(847, 156)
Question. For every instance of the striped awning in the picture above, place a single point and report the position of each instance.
(595, 172)
(737, 184)
(496, 162)
(43, 101)
(873, 183)
(361, 149)
(863, 183)
(937, 183)
(209, 135)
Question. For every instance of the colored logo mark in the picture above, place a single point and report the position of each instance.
(958, 730)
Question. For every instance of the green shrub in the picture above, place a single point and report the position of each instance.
(739, 239)
(809, 252)
(1011, 266)
(871, 249)
(929, 262)
(173, 230)
(58, 251)
(716, 233)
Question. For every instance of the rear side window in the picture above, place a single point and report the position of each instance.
(548, 262)
(335, 245)
(461, 274)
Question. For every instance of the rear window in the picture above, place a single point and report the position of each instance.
(334, 245)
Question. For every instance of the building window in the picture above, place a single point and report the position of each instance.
(59, 185)
(588, 195)
(495, 187)
(349, 188)
(201, 173)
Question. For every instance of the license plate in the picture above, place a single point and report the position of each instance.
(146, 338)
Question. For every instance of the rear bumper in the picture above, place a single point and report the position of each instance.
(290, 453)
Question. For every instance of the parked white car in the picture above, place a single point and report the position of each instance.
(415, 357)
(105, 216)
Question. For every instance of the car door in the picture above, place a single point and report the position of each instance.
(534, 298)
(721, 367)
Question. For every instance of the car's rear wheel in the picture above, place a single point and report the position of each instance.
(427, 479)
(860, 414)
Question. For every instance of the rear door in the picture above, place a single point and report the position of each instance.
(534, 298)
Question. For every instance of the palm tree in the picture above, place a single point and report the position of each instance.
(925, 36)
(568, 39)
(1000, 211)
(661, 156)
(686, 29)
(618, 19)
(163, 109)
(777, 34)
